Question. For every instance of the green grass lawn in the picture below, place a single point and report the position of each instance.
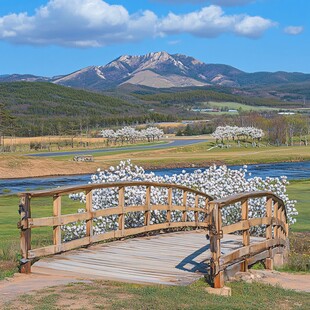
(300, 190)
(9, 241)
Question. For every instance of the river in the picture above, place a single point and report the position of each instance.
(294, 171)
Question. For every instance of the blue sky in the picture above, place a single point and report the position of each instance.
(51, 37)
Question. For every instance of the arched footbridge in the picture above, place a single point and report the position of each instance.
(190, 239)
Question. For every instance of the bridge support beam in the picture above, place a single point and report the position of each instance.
(278, 260)
(25, 234)
(219, 280)
(269, 263)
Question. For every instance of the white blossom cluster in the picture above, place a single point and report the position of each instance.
(234, 132)
(131, 135)
(216, 181)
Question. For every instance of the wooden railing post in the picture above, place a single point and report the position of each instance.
(207, 209)
(147, 213)
(276, 215)
(216, 246)
(169, 204)
(25, 235)
(245, 233)
(283, 235)
(184, 213)
(121, 205)
(57, 228)
(196, 214)
(269, 216)
(89, 210)
(269, 260)
(286, 225)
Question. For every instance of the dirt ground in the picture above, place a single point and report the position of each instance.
(22, 167)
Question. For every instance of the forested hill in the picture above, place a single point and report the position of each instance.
(45, 108)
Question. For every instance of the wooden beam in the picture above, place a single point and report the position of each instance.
(239, 197)
(76, 189)
(269, 214)
(89, 210)
(121, 206)
(25, 234)
(184, 213)
(276, 215)
(147, 212)
(196, 214)
(169, 201)
(57, 214)
(218, 281)
(246, 232)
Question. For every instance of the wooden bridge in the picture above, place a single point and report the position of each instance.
(173, 251)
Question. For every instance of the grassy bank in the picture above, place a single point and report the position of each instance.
(111, 295)
(203, 154)
(199, 155)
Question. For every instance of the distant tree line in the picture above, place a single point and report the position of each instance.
(192, 97)
(278, 129)
(7, 123)
(195, 129)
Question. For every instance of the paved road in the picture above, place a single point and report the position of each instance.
(115, 149)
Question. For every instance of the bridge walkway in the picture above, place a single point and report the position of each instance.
(172, 259)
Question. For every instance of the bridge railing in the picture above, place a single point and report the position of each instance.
(276, 233)
(199, 209)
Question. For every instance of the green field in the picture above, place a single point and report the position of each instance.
(239, 106)
(300, 191)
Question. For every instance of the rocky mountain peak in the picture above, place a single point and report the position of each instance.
(160, 70)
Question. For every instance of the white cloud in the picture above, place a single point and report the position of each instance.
(253, 26)
(77, 23)
(94, 23)
(211, 22)
(294, 30)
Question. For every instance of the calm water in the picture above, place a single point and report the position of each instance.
(293, 171)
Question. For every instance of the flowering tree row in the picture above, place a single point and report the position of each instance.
(216, 181)
(236, 133)
(131, 135)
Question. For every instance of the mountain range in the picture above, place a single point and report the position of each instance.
(163, 70)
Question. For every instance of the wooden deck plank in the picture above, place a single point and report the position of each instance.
(173, 258)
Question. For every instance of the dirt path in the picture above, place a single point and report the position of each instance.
(291, 281)
(19, 284)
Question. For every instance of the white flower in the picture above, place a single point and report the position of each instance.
(217, 181)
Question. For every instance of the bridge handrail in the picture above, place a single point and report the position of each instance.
(63, 190)
(27, 223)
(276, 231)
